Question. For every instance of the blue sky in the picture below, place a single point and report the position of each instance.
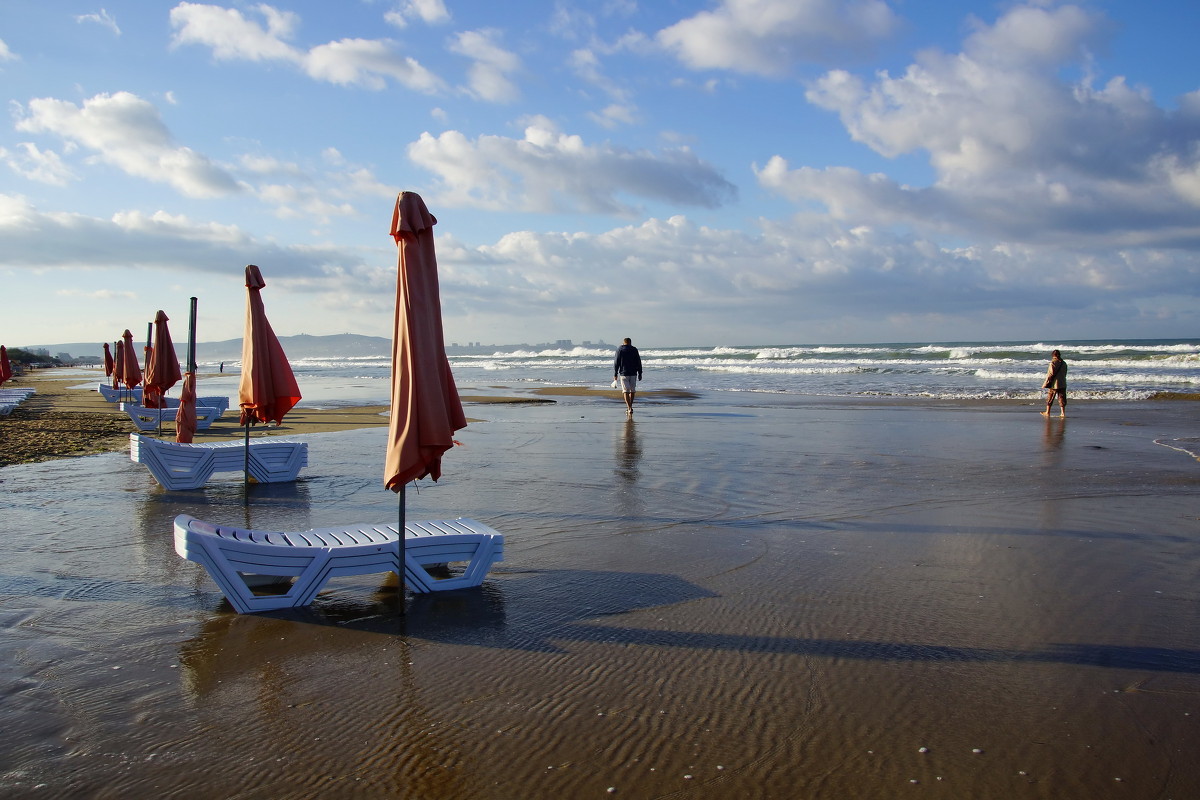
(708, 173)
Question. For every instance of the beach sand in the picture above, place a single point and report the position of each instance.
(778, 599)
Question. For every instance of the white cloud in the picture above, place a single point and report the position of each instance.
(33, 239)
(768, 36)
(366, 63)
(431, 12)
(1019, 153)
(489, 77)
(808, 273)
(230, 35)
(586, 65)
(549, 171)
(7, 54)
(128, 133)
(302, 202)
(101, 18)
(613, 115)
(43, 166)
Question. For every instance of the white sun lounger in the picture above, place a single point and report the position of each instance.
(151, 419)
(13, 397)
(208, 402)
(312, 557)
(189, 466)
(120, 395)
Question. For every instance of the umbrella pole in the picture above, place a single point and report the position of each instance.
(246, 463)
(191, 352)
(403, 547)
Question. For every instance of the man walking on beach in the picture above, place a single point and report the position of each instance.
(627, 369)
(1056, 384)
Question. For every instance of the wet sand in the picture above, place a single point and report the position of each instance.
(778, 600)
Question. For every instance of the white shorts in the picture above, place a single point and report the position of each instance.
(628, 383)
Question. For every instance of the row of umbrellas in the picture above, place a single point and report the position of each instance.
(268, 388)
(425, 408)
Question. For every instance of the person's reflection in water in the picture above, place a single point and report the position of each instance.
(1052, 441)
(629, 454)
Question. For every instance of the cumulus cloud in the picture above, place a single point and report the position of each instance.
(767, 37)
(1019, 152)
(549, 171)
(34, 239)
(128, 133)
(232, 36)
(318, 193)
(367, 63)
(5, 53)
(35, 164)
(490, 74)
(431, 12)
(809, 273)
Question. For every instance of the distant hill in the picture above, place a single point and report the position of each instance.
(297, 347)
(301, 346)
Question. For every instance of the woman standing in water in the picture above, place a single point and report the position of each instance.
(1056, 384)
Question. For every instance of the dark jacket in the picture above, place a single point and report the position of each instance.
(628, 361)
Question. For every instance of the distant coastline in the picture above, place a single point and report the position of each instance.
(341, 345)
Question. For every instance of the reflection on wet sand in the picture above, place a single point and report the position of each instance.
(752, 601)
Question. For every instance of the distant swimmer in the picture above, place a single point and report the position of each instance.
(1056, 384)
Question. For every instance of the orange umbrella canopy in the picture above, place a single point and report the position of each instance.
(426, 410)
(162, 366)
(131, 372)
(118, 363)
(108, 361)
(268, 389)
(185, 416)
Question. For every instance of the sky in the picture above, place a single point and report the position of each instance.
(731, 172)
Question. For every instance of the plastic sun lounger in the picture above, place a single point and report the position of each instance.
(150, 419)
(311, 558)
(119, 395)
(13, 397)
(189, 466)
(209, 402)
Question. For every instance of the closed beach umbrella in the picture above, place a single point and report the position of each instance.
(118, 363)
(5, 366)
(131, 371)
(185, 415)
(162, 367)
(268, 389)
(426, 410)
(108, 361)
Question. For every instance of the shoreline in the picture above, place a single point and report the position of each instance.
(61, 421)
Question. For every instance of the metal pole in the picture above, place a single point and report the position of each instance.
(403, 546)
(191, 353)
(246, 462)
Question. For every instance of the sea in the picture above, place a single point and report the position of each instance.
(1116, 370)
